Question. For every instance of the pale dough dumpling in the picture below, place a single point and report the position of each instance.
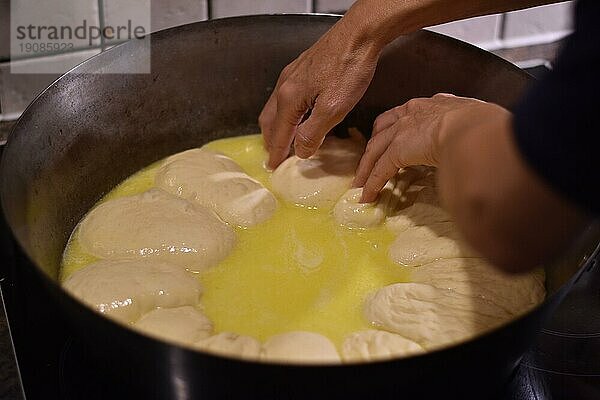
(300, 347)
(184, 325)
(348, 211)
(474, 277)
(374, 344)
(320, 180)
(423, 244)
(156, 225)
(217, 182)
(126, 289)
(231, 344)
(432, 316)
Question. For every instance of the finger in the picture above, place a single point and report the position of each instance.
(375, 148)
(291, 106)
(266, 120)
(384, 121)
(384, 169)
(443, 95)
(311, 133)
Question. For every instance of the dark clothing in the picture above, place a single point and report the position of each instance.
(557, 123)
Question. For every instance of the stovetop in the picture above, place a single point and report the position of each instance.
(564, 363)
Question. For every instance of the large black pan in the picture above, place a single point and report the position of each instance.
(88, 131)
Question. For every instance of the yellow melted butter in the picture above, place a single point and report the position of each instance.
(299, 270)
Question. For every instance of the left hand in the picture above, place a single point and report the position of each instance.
(328, 80)
(413, 134)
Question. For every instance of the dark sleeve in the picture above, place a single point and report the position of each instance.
(557, 123)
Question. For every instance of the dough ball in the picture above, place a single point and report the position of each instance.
(432, 316)
(215, 181)
(348, 211)
(376, 345)
(474, 277)
(184, 325)
(320, 180)
(231, 344)
(126, 289)
(424, 244)
(300, 347)
(156, 225)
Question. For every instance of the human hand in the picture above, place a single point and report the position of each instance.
(328, 80)
(414, 134)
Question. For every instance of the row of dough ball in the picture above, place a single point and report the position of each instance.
(160, 299)
(454, 294)
(407, 204)
(187, 220)
(452, 300)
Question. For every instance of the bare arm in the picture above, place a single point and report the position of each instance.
(384, 21)
(497, 201)
(330, 77)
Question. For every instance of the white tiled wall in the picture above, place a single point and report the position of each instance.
(533, 26)
(538, 25)
(229, 8)
(332, 6)
(483, 31)
(166, 14)
(118, 12)
(57, 13)
(17, 90)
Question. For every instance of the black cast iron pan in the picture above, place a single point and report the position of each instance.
(88, 131)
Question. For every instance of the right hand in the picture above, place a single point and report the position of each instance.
(328, 80)
(414, 134)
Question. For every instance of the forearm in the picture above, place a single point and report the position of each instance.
(383, 21)
(501, 206)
